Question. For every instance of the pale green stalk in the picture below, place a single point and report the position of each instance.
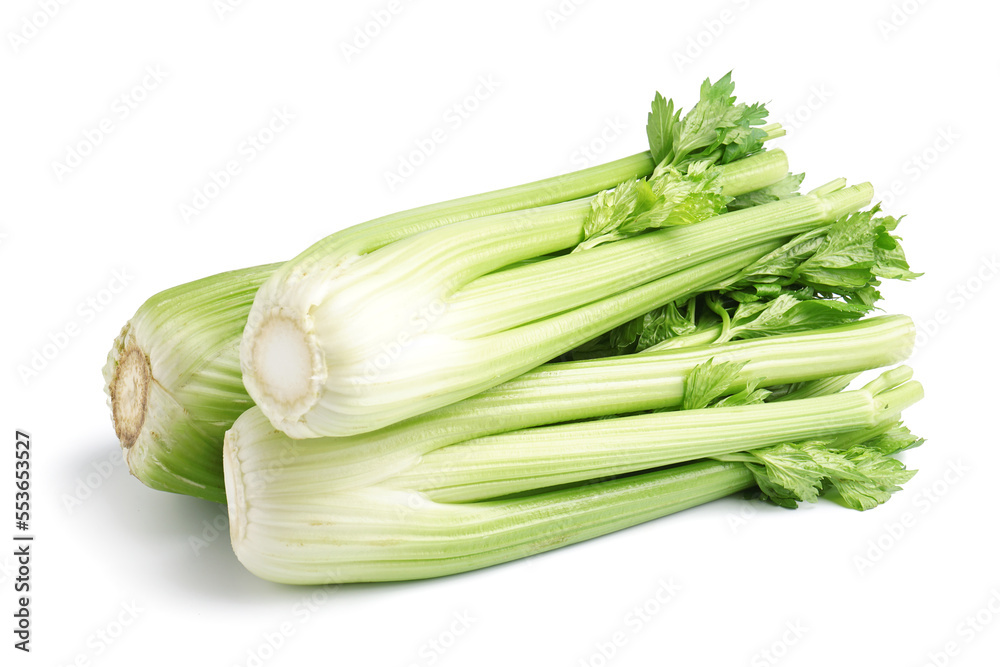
(173, 377)
(535, 458)
(322, 510)
(379, 534)
(365, 342)
(570, 391)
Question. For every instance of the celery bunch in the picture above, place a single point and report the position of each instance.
(478, 380)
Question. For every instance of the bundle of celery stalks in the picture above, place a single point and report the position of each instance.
(487, 378)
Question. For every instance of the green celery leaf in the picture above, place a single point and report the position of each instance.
(786, 188)
(702, 125)
(844, 259)
(890, 261)
(749, 396)
(743, 138)
(675, 199)
(779, 266)
(787, 314)
(623, 338)
(662, 125)
(862, 477)
(882, 477)
(645, 199)
(716, 131)
(708, 381)
(792, 468)
(669, 198)
(610, 209)
(668, 322)
(866, 297)
(895, 440)
(774, 492)
(847, 257)
(683, 188)
(769, 291)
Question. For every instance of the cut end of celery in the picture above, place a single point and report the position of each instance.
(235, 496)
(129, 389)
(287, 366)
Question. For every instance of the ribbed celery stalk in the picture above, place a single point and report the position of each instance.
(564, 392)
(174, 385)
(338, 343)
(320, 511)
(377, 534)
(508, 463)
(173, 376)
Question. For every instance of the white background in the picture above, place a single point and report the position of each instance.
(899, 93)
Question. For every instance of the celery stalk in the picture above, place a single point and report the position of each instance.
(565, 392)
(388, 535)
(339, 344)
(173, 378)
(356, 509)
(519, 461)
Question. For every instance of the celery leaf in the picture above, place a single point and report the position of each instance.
(895, 440)
(881, 477)
(786, 188)
(846, 259)
(661, 127)
(749, 396)
(860, 478)
(717, 130)
(669, 198)
(711, 116)
(787, 314)
(708, 381)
